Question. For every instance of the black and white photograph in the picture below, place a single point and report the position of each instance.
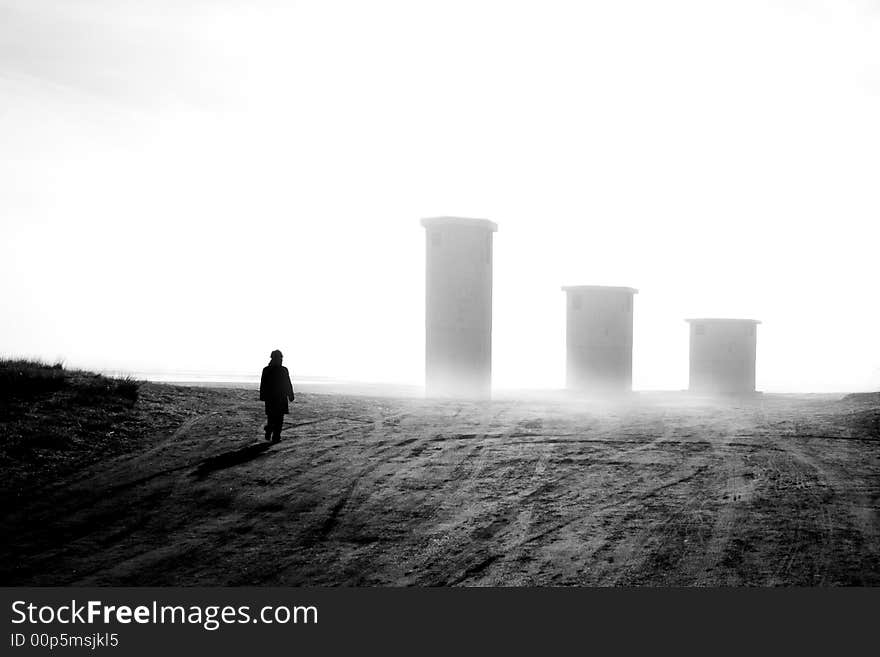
(460, 294)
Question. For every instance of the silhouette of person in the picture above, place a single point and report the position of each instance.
(275, 390)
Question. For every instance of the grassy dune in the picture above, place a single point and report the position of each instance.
(54, 421)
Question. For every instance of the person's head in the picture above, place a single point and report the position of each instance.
(275, 357)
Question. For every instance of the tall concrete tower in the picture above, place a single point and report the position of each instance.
(458, 307)
(599, 338)
(722, 355)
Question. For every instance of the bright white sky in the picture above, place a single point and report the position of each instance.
(188, 185)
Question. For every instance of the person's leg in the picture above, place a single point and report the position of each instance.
(268, 427)
(277, 421)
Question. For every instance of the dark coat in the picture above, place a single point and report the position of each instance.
(276, 388)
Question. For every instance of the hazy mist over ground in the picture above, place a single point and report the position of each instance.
(188, 185)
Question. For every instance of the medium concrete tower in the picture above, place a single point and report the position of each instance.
(722, 355)
(599, 338)
(458, 307)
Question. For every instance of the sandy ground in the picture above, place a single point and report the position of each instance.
(663, 490)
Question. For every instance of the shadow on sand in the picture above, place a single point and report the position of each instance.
(231, 458)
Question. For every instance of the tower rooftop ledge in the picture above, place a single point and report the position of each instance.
(631, 290)
(459, 221)
(721, 320)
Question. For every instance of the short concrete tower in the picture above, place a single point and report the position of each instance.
(722, 355)
(599, 338)
(458, 307)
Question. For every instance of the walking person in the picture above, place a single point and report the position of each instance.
(275, 390)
